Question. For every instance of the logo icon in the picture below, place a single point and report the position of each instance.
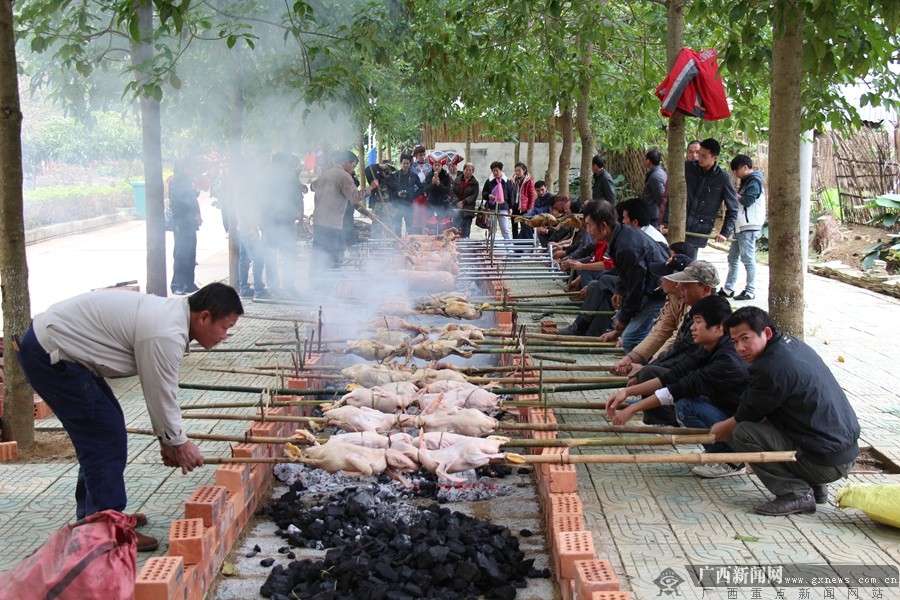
(668, 582)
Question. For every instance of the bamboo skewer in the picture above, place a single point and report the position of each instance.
(557, 389)
(645, 440)
(572, 459)
(525, 380)
(500, 426)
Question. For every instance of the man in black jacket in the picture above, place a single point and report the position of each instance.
(404, 185)
(638, 298)
(708, 187)
(602, 187)
(804, 409)
(654, 184)
(704, 390)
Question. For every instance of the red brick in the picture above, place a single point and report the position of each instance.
(572, 546)
(9, 451)
(41, 409)
(207, 503)
(562, 479)
(561, 523)
(194, 578)
(244, 450)
(212, 546)
(233, 477)
(594, 575)
(566, 589)
(186, 539)
(611, 596)
(161, 578)
(563, 504)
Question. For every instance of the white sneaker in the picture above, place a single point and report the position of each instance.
(714, 470)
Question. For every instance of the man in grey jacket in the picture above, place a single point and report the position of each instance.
(71, 348)
(747, 229)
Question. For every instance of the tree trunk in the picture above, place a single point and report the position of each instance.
(675, 135)
(469, 144)
(530, 154)
(565, 153)
(142, 54)
(552, 156)
(235, 144)
(786, 261)
(18, 403)
(583, 121)
(362, 160)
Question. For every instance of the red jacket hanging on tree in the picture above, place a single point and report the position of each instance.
(694, 87)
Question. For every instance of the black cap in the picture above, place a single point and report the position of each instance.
(675, 264)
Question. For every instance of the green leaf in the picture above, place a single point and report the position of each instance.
(746, 538)
(134, 28)
(175, 81)
(228, 569)
(230, 41)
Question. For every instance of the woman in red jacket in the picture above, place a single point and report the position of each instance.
(525, 184)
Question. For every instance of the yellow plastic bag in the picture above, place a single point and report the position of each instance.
(880, 501)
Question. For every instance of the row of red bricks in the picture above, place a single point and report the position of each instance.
(580, 573)
(9, 451)
(215, 515)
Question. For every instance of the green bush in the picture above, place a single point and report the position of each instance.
(64, 203)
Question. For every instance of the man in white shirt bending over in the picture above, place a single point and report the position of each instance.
(70, 349)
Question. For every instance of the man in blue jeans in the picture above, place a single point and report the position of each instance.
(747, 229)
(71, 348)
(705, 389)
(638, 298)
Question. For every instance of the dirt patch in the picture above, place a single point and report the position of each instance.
(48, 447)
(873, 461)
(857, 239)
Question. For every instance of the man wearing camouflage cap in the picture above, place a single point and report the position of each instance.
(695, 282)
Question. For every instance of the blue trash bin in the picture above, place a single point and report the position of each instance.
(140, 198)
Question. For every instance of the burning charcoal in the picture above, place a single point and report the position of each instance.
(267, 562)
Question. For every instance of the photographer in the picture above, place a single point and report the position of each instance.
(380, 200)
(403, 187)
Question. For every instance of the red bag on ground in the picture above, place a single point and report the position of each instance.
(94, 558)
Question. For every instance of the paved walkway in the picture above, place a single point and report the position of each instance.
(644, 518)
(650, 517)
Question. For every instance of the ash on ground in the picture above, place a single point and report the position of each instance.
(381, 547)
(480, 485)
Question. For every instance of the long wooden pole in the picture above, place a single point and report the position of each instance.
(645, 440)
(572, 459)
(524, 380)
(248, 389)
(500, 426)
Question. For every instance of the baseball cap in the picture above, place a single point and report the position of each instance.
(675, 264)
(699, 271)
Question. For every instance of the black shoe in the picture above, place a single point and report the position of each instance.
(820, 493)
(726, 293)
(745, 296)
(569, 330)
(146, 543)
(190, 288)
(788, 504)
